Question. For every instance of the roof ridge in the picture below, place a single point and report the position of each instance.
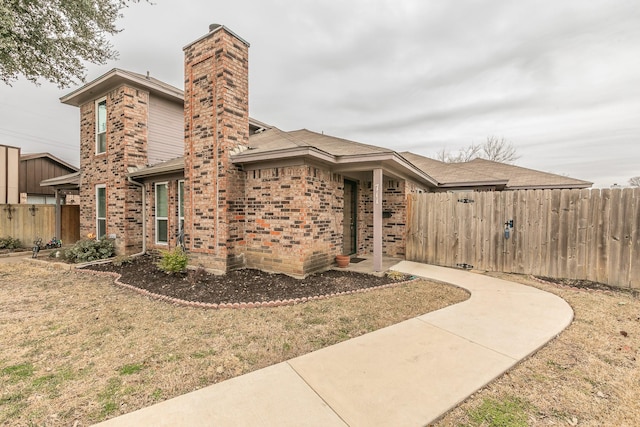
(346, 140)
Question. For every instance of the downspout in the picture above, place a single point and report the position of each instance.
(144, 219)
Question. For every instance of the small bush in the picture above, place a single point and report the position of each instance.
(173, 261)
(10, 243)
(121, 260)
(90, 250)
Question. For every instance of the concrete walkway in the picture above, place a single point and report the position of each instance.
(408, 374)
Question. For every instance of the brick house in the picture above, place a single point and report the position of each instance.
(156, 160)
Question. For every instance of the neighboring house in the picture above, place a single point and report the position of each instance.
(9, 174)
(20, 176)
(156, 160)
(35, 168)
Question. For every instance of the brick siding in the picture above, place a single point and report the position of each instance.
(294, 219)
(216, 125)
(127, 113)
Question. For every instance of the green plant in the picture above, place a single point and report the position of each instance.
(9, 243)
(18, 372)
(121, 260)
(130, 369)
(90, 250)
(510, 412)
(173, 261)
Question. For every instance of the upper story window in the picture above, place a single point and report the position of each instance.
(101, 125)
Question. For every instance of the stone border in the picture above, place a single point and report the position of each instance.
(235, 305)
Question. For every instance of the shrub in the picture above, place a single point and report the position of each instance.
(90, 250)
(9, 243)
(173, 261)
(121, 260)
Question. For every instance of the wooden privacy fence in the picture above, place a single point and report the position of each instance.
(578, 234)
(26, 222)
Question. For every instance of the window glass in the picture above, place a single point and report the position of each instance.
(101, 127)
(181, 204)
(101, 211)
(162, 235)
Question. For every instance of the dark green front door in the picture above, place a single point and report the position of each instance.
(350, 217)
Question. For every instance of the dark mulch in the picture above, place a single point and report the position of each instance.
(239, 286)
(587, 284)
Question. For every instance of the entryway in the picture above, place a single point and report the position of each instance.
(350, 217)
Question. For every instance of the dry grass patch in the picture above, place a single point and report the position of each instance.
(75, 350)
(588, 376)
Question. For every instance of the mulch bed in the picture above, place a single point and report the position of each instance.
(239, 286)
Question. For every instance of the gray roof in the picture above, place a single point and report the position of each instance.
(483, 172)
(169, 167)
(69, 180)
(275, 139)
(274, 144)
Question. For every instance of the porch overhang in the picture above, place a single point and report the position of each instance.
(391, 162)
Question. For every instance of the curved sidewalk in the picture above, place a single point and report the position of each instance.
(408, 374)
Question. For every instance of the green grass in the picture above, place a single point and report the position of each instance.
(108, 397)
(510, 412)
(130, 369)
(51, 382)
(18, 372)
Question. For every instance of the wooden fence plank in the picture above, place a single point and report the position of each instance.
(585, 234)
(634, 256)
(626, 243)
(615, 237)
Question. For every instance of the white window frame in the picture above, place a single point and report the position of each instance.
(98, 217)
(161, 218)
(98, 102)
(181, 206)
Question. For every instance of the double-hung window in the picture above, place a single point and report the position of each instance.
(101, 126)
(162, 209)
(101, 210)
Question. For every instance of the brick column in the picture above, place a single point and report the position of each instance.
(216, 125)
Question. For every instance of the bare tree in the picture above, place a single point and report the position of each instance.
(496, 149)
(635, 181)
(499, 150)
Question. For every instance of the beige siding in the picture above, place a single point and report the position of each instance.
(9, 167)
(166, 130)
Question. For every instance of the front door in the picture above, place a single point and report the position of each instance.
(350, 217)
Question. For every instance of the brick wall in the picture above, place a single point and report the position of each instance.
(394, 200)
(216, 125)
(127, 113)
(294, 219)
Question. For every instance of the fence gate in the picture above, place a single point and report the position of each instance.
(70, 223)
(581, 234)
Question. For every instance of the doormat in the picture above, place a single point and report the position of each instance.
(355, 260)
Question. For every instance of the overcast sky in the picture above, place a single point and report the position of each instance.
(560, 80)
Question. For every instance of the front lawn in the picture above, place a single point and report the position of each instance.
(75, 349)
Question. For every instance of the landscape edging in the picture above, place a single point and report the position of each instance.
(235, 305)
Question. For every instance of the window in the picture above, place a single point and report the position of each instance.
(161, 213)
(181, 205)
(101, 126)
(101, 210)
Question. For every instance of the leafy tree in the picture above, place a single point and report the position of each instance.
(635, 181)
(496, 149)
(50, 39)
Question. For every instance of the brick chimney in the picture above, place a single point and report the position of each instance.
(216, 112)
